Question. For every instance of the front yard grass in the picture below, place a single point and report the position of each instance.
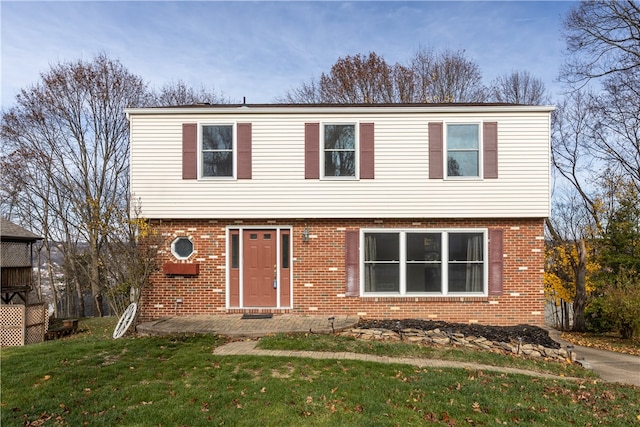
(90, 379)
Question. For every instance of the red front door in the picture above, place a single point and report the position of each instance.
(260, 268)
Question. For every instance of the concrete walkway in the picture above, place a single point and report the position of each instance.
(610, 366)
(248, 348)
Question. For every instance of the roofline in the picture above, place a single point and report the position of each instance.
(10, 232)
(337, 108)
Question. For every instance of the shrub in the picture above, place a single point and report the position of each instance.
(619, 304)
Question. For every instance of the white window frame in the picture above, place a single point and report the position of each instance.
(234, 129)
(356, 133)
(173, 248)
(446, 151)
(444, 232)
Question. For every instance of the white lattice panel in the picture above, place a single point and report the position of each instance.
(12, 331)
(11, 337)
(12, 315)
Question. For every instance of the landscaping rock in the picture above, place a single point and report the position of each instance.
(523, 340)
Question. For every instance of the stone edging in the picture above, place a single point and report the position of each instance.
(439, 337)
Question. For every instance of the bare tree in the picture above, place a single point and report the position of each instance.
(358, 79)
(369, 79)
(603, 38)
(71, 129)
(572, 139)
(455, 78)
(616, 130)
(421, 65)
(519, 87)
(306, 93)
(596, 139)
(178, 93)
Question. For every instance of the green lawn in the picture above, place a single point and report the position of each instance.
(90, 379)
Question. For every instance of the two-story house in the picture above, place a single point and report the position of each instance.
(432, 211)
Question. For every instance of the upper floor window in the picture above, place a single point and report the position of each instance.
(217, 150)
(463, 150)
(339, 150)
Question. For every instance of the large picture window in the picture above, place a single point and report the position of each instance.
(463, 150)
(339, 150)
(408, 262)
(217, 151)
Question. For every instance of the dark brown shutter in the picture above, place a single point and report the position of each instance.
(312, 150)
(367, 153)
(352, 265)
(244, 151)
(490, 148)
(435, 151)
(495, 262)
(189, 151)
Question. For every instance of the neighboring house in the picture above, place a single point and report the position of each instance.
(432, 211)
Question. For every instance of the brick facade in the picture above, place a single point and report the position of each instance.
(319, 273)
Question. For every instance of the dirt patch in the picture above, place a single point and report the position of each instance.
(527, 333)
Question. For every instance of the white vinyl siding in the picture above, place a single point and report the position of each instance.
(401, 188)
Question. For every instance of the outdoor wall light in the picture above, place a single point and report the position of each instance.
(305, 234)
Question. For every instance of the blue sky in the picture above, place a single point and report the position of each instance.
(258, 50)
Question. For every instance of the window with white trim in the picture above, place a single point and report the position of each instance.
(217, 159)
(339, 150)
(182, 247)
(463, 150)
(430, 262)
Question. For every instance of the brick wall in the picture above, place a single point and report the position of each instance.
(319, 273)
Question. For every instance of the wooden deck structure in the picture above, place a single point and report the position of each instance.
(16, 265)
(21, 322)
